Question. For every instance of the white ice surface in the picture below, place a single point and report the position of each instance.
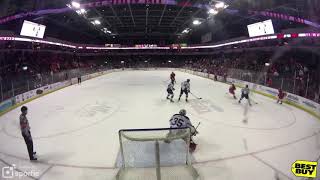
(75, 130)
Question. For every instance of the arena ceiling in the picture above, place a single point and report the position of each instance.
(154, 21)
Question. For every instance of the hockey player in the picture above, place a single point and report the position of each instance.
(173, 77)
(245, 94)
(232, 90)
(170, 90)
(182, 121)
(185, 88)
(281, 95)
(25, 131)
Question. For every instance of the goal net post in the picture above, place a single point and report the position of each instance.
(155, 154)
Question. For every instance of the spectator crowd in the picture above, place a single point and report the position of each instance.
(294, 71)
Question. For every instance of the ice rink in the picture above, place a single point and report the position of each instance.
(75, 130)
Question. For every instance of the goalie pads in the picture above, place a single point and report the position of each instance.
(192, 147)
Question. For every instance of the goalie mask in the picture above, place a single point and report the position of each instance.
(183, 112)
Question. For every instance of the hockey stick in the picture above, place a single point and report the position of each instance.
(195, 96)
(196, 129)
(198, 125)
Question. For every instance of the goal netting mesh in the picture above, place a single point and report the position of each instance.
(155, 154)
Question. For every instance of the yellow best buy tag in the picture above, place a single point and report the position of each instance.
(303, 168)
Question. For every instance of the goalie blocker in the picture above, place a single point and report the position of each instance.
(182, 121)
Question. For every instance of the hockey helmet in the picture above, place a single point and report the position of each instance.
(183, 112)
(24, 108)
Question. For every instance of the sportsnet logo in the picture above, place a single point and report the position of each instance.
(10, 172)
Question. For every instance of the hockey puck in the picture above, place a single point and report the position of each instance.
(245, 121)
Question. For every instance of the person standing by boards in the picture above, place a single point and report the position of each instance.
(79, 78)
(25, 131)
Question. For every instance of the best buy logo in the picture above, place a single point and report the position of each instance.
(302, 168)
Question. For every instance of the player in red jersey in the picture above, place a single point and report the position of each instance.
(232, 90)
(173, 77)
(281, 95)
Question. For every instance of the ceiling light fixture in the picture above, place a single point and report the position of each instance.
(83, 11)
(187, 30)
(96, 22)
(213, 11)
(196, 22)
(75, 4)
(219, 5)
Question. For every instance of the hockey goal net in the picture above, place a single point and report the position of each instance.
(155, 154)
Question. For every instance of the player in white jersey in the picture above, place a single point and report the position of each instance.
(185, 88)
(245, 94)
(170, 90)
(182, 121)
